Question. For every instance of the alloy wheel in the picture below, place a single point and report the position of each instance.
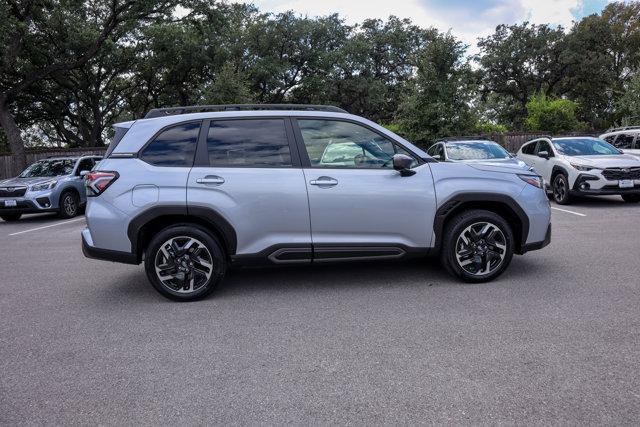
(183, 264)
(481, 248)
(559, 188)
(69, 205)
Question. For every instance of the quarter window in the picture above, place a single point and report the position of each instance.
(248, 142)
(174, 146)
(339, 144)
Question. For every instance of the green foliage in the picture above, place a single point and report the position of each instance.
(552, 115)
(438, 100)
(483, 126)
(71, 68)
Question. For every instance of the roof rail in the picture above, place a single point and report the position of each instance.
(160, 112)
(616, 129)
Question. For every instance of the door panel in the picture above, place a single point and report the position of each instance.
(266, 206)
(368, 206)
(247, 171)
(355, 195)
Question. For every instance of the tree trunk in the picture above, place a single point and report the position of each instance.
(11, 130)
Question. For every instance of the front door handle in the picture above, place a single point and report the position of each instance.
(324, 181)
(211, 179)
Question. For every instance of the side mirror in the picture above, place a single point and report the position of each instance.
(402, 163)
(83, 173)
(543, 154)
(438, 157)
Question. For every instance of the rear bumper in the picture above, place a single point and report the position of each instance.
(606, 191)
(538, 245)
(91, 251)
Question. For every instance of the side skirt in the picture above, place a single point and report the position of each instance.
(326, 253)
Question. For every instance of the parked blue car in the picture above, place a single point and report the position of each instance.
(49, 185)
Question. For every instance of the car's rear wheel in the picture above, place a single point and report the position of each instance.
(11, 217)
(561, 189)
(69, 204)
(631, 198)
(477, 246)
(184, 262)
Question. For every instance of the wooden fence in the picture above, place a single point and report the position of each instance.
(512, 141)
(9, 166)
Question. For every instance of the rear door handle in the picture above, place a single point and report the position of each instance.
(324, 181)
(211, 179)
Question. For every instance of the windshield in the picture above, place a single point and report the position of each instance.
(43, 168)
(584, 147)
(476, 151)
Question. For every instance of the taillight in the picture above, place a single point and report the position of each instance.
(98, 181)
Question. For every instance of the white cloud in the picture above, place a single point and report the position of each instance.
(467, 20)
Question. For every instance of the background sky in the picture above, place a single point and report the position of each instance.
(468, 20)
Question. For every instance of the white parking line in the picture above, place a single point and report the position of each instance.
(571, 212)
(46, 226)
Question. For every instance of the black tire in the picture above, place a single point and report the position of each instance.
(453, 245)
(69, 204)
(560, 188)
(176, 288)
(631, 198)
(11, 217)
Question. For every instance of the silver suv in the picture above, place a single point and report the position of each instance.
(192, 191)
(49, 185)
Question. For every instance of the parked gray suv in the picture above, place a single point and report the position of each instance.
(49, 185)
(192, 191)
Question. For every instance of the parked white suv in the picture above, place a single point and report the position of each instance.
(583, 166)
(625, 138)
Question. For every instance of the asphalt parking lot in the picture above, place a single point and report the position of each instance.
(555, 340)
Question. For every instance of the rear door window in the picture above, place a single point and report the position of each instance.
(624, 141)
(173, 147)
(248, 143)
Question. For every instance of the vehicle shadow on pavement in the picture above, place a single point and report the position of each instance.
(608, 202)
(28, 219)
(332, 277)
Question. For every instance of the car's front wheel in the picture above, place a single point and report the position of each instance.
(561, 189)
(184, 262)
(11, 217)
(69, 204)
(477, 246)
(631, 198)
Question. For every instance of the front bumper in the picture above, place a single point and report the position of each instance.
(25, 206)
(538, 245)
(91, 251)
(595, 184)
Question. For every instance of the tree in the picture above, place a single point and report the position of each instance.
(552, 115)
(628, 105)
(42, 40)
(438, 99)
(518, 61)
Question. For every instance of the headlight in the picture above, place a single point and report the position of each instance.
(583, 168)
(534, 180)
(47, 185)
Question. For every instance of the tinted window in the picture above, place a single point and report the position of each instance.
(84, 165)
(544, 146)
(248, 143)
(338, 144)
(624, 141)
(529, 148)
(175, 146)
